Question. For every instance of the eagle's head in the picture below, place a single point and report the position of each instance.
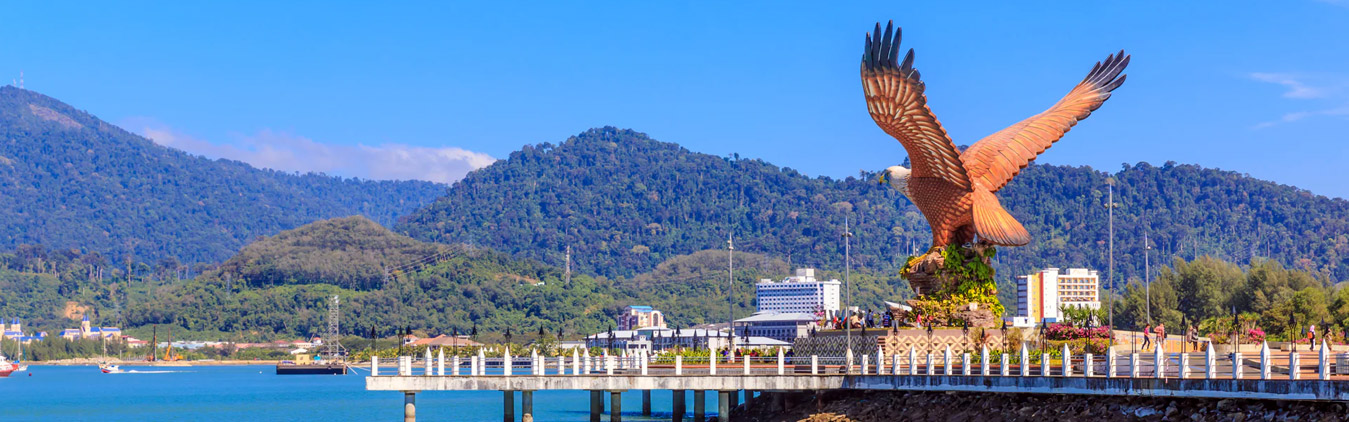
(897, 177)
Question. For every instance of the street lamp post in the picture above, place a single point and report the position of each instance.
(1110, 207)
(847, 283)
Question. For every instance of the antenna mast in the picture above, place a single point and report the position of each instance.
(568, 283)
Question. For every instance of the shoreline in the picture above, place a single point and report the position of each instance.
(97, 361)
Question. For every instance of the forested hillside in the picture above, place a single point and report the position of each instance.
(625, 203)
(70, 180)
(278, 287)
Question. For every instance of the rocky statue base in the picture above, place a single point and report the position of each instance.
(955, 288)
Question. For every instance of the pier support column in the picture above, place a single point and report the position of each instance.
(508, 406)
(596, 405)
(699, 405)
(677, 409)
(409, 406)
(615, 406)
(646, 402)
(779, 401)
(526, 406)
(724, 405)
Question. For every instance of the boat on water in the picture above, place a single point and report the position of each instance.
(6, 367)
(110, 369)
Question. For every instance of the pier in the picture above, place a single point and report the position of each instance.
(1315, 376)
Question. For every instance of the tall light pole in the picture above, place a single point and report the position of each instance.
(730, 294)
(1110, 208)
(1147, 274)
(847, 281)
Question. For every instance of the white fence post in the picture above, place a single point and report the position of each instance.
(880, 361)
(679, 365)
(1210, 364)
(894, 364)
(1025, 360)
(1294, 365)
(712, 362)
(1088, 365)
(428, 361)
(814, 365)
(1110, 362)
(781, 362)
(1238, 364)
(1133, 365)
(745, 359)
(1045, 363)
(984, 360)
(1158, 362)
(1264, 361)
(374, 366)
(609, 364)
(1067, 361)
(1324, 364)
(965, 364)
(1184, 365)
(847, 361)
(1003, 366)
(946, 359)
(454, 365)
(864, 364)
(585, 362)
(440, 361)
(931, 369)
(506, 363)
(644, 362)
(913, 361)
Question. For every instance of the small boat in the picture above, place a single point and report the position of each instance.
(6, 368)
(110, 369)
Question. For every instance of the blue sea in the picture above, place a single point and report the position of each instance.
(257, 394)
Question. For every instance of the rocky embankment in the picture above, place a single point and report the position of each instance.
(852, 406)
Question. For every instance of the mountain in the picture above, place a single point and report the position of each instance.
(71, 180)
(351, 253)
(624, 202)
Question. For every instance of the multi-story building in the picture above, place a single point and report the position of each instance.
(801, 293)
(783, 326)
(88, 331)
(636, 317)
(1042, 296)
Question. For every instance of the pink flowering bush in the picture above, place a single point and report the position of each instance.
(1256, 335)
(1068, 332)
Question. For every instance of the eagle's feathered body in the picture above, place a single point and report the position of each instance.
(954, 189)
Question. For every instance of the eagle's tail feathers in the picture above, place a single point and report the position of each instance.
(993, 224)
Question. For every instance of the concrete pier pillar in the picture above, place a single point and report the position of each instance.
(596, 405)
(508, 406)
(526, 405)
(409, 406)
(699, 405)
(615, 406)
(724, 405)
(374, 366)
(646, 402)
(779, 401)
(677, 408)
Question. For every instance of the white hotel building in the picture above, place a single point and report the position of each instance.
(801, 293)
(1041, 296)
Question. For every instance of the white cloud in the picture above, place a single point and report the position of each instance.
(288, 152)
(1297, 86)
(1330, 92)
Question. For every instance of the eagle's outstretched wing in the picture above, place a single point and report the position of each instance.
(996, 159)
(896, 102)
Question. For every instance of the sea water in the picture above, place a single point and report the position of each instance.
(257, 394)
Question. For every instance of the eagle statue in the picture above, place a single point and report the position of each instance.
(955, 189)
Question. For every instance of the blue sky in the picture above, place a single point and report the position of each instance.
(430, 90)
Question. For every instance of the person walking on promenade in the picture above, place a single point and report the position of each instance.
(1311, 336)
(1161, 336)
(1147, 337)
